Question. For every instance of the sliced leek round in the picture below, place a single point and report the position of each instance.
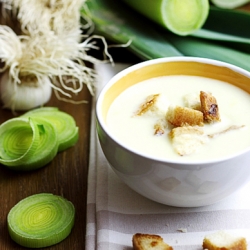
(41, 220)
(63, 122)
(33, 140)
(18, 141)
(47, 147)
(27, 143)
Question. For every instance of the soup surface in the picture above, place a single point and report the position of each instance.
(138, 131)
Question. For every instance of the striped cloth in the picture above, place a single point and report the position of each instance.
(115, 212)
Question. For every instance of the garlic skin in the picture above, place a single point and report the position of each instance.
(28, 94)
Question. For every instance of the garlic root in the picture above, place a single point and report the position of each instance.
(17, 96)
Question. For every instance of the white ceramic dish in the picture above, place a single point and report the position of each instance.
(171, 182)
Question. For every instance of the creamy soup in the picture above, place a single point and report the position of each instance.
(138, 133)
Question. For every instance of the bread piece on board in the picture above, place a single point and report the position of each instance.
(209, 107)
(224, 241)
(182, 116)
(149, 242)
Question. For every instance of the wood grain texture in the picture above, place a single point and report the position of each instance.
(66, 175)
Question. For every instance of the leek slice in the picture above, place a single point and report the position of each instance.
(47, 148)
(64, 124)
(181, 17)
(33, 140)
(18, 141)
(117, 22)
(41, 220)
(27, 143)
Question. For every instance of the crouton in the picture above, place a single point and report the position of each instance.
(155, 105)
(192, 101)
(159, 129)
(160, 126)
(209, 107)
(183, 116)
(222, 240)
(188, 139)
(149, 242)
(148, 104)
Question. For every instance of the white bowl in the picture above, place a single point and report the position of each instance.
(174, 183)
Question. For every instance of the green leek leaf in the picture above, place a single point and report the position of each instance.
(200, 48)
(41, 220)
(231, 22)
(217, 36)
(228, 27)
(228, 24)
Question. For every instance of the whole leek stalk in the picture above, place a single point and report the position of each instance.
(182, 17)
(117, 22)
(148, 40)
(229, 4)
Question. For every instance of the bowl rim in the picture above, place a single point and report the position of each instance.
(142, 64)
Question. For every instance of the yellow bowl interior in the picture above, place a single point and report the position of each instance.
(174, 68)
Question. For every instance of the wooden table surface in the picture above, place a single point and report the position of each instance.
(66, 175)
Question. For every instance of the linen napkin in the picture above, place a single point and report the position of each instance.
(115, 212)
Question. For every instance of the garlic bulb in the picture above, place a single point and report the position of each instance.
(17, 96)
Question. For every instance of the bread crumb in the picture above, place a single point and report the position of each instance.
(160, 127)
(182, 230)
